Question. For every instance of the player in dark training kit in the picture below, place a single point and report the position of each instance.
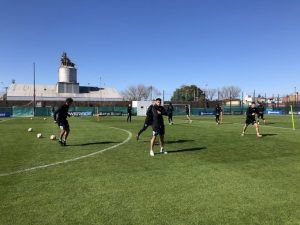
(158, 126)
(60, 117)
(250, 119)
(261, 110)
(129, 112)
(218, 113)
(170, 110)
(187, 112)
(148, 120)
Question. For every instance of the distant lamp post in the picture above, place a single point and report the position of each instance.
(296, 96)
(5, 95)
(205, 95)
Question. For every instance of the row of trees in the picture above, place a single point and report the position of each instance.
(140, 92)
(183, 93)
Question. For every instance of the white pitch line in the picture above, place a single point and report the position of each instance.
(264, 126)
(74, 159)
(6, 120)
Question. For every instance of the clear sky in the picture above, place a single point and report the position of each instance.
(253, 44)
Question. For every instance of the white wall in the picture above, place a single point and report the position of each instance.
(141, 106)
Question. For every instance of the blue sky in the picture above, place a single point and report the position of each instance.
(251, 44)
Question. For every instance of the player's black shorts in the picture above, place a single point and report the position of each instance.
(158, 130)
(250, 121)
(148, 122)
(64, 125)
(260, 116)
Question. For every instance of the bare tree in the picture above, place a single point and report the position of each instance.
(140, 92)
(229, 92)
(210, 93)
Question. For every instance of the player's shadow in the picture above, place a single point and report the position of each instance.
(265, 135)
(95, 143)
(178, 141)
(173, 142)
(187, 150)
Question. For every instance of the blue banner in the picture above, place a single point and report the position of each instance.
(80, 113)
(274, 112)
(206, 113)
(5, 114)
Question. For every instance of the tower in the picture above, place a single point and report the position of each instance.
(67, 76)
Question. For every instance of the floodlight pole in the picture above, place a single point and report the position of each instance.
(242, 102)
(295, 96)
(34, 89)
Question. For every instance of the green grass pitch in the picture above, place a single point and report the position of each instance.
(211, 174)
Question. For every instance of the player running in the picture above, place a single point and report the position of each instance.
(148, 120)
(261, 110)
(60, 117)
(170, 110)
(187, 112)
(250, 119)
(158, 126)
(218, 112)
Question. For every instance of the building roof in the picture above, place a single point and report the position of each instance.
(24, 92)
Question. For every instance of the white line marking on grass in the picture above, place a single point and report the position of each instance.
(74, 159)
(240, 124)
(6, 120)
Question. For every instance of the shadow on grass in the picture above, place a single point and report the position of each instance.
(265, 135)
(268, 123)
(187, 150)
(172, 142)
(178, 141)
(95, 143)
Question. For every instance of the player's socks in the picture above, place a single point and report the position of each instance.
(151, 153)
(162, 151)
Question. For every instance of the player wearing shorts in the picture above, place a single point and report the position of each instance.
(260, 115)
(187, 112)
(218, 113)
(250, 119)
(60, 117)
(148, 121)
(158, 126)
(129, 113)
(170, 110)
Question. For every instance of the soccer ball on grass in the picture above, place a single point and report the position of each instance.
(52, 137)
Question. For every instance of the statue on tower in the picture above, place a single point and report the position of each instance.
(65, 61)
